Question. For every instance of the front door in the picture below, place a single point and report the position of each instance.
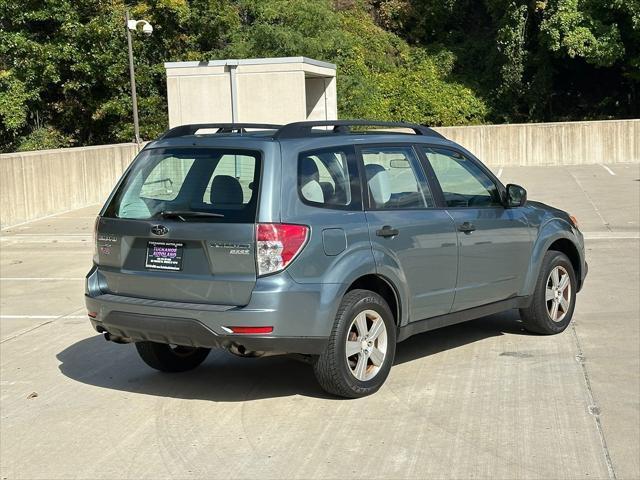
(412, 240)
(495, 242)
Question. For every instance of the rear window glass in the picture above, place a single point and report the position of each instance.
(190, 181)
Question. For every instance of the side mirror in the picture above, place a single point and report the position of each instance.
(516, 196)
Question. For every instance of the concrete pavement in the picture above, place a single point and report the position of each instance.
(478, 400)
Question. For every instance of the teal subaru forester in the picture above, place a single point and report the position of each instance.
(332, 240)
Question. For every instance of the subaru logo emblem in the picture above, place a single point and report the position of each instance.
(159, 230)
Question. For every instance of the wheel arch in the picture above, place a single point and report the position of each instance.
(566, 246)
(383, 287)
(555, 235)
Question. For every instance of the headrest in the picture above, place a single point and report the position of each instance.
(378, 181)
(308, 170)
(226, 189)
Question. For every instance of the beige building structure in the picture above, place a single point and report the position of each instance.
(260, 90)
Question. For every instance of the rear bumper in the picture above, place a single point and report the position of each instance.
(187, 331)
(301, 316)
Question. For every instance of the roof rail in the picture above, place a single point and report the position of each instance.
(184, 130)
(305, 129)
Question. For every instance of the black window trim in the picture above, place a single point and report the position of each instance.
(440, 195)
(365, 187)
(354, 178)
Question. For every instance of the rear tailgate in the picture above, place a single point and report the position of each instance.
(207, 262)
(181, 227)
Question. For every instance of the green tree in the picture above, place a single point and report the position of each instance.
(537, 59)
(64, 74)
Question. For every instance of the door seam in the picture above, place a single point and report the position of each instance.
(458, 245)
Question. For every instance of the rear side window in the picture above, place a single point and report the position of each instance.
(222, 182)
(327, 178)
(395, 179)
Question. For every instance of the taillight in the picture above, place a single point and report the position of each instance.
(95, 239)
(277, 244)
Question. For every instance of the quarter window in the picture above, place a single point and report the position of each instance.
(324, 177)
(463, 183)
(395, 179)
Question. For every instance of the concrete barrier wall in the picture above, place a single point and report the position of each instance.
(41, 183)
(567, 143)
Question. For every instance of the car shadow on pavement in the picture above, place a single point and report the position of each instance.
(447, 338)
(226, 378)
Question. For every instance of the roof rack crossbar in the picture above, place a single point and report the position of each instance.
(184, 130)
(305, 129)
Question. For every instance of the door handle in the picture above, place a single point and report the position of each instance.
(466, 227)
(387, 231)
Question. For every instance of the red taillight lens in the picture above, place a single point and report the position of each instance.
(251, 330)
(277, 244)
(95, 239)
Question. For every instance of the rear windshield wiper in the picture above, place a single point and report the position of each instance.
(182, 214)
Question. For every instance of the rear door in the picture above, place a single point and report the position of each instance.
(495, 242)
(181, 227)
(410, 237)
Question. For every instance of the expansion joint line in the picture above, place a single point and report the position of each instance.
(594, 410)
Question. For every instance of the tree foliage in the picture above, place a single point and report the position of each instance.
(534, 60)
(64, 71)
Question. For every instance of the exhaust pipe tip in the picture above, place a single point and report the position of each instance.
(116, 339)
(241, 351)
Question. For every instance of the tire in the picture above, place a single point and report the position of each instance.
(537, 317)
(364, 372)
(169, 358)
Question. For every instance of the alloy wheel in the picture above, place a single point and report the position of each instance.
(558, 293)
(366, 345)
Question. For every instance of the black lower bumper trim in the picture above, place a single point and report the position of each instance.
(460, 316)
(191, 332)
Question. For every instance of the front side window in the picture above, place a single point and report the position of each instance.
(463, 183)
(204, 184)
(395, 179)
(324, 177)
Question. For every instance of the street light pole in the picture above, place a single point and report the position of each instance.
(132, 75)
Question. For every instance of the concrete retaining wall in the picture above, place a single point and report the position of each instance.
(567, 143)
(41, 183)
(36, 184)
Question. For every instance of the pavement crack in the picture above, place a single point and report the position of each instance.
(593, 408)
(29, 330)
(24, 332)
